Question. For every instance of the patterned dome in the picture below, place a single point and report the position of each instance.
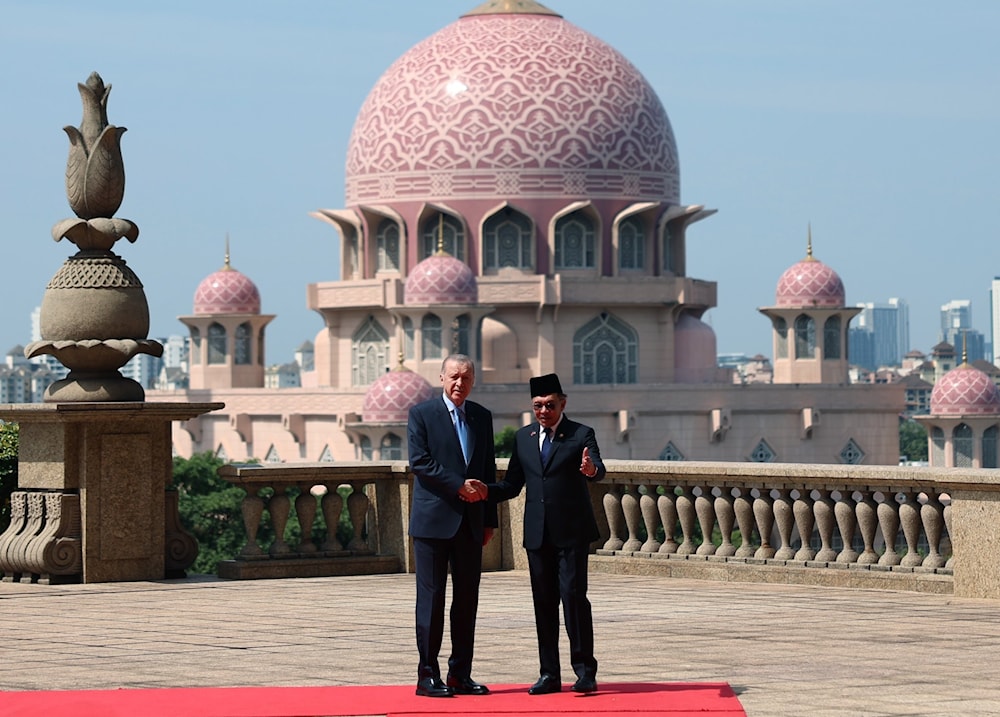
(390, 398)
(506, 103)
(227, 291)
(965, 391)
(810, 283)
(441, 279)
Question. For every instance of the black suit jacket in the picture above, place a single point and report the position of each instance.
(557, 500)
(439, 469)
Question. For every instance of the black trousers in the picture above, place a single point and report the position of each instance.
(433, 558)
(560, 574)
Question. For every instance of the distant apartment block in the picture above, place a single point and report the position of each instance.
(880, 334)
(956, 329)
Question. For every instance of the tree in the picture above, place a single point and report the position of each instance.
(503, 442)
(8, 469)
(912, 441)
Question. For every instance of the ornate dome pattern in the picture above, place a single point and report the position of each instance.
(227, 291)
(810, 283)
(391, 396)
(512, 105)
(441, 279)
(966, 391)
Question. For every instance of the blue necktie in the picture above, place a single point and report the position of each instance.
(546, 445)
(463, 432)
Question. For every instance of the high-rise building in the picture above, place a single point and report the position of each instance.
(956, 329)
(881, 334)
(995, 321)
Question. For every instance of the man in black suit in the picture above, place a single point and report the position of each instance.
(555, 458)
(452, 459)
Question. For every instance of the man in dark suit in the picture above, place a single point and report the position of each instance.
(555, 458)
(452, 459)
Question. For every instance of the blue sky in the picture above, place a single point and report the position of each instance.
(875, 122)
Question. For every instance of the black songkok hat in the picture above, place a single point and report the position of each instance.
(545, 385)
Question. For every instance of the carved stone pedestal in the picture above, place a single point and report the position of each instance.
(92, 503)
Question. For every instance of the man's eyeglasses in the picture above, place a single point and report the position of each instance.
(551, 406)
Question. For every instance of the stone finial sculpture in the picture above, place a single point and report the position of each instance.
(94, 315)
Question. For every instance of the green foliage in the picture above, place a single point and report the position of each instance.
(8, 469)
(912, 440)
(503, 442)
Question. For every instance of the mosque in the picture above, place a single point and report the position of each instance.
(513, 193)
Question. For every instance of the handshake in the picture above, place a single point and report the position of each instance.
(473, 490)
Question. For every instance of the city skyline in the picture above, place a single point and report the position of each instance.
(872, 124)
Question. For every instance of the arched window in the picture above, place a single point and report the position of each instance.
(605, 350)
(781, 332)
(353, 269)
(195, 345)
(575, 242)
(366, 448)
(805, 337)
(447, 230)
(242, 345)
(391, 448)
(961, 441)
(387, 246)
(937, 447)
(670, 453)
(407, 337)
(507, 240)
(260, 347)
(831, 338)
(460, 330)
(430, 338)
(668, 257)
(370, 349)
(216, 344)
(631, 244)
(990, 437)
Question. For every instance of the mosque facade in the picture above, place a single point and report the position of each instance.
(513, 193)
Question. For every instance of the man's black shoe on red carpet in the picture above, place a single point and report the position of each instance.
(466, 686)
(433, 687)
(585, 684)
(546, 684)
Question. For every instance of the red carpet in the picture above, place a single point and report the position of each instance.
(641, 700)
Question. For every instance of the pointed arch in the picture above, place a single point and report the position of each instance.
(605, 350)
(370, 351)
(507, 240)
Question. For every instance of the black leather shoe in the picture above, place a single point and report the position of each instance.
(585, 684)
(433, 687)
(546, 684)
(466, 686)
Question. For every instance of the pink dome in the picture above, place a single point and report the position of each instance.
(694, 351)
(391, 396)
(965, 391)
(503, 103)
(227, 291)
(441, 279)
(810, 283)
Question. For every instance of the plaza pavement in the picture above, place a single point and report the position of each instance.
(786, 650)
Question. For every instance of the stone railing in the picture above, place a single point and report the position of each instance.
(939, 523)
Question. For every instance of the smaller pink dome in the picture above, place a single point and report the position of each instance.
(810, 283)
(441, 279)
(390, 397)
(694, 351)
(227, 291)
(965, 391)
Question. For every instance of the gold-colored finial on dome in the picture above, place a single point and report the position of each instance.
(227, 266)
(809, 243)
(400, 366)
(440, 246)
(511, 7)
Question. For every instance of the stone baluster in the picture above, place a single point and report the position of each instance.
(947, 526)
(743, 507)
(704, 508)
(847, 524)
(726, 516)
(805, 520)
(18, 522)
(633, 518)
(179, 546)
(280, 507)
(21, 549)
(332, 505)
(357, 508)
(826, 521)
(305, 511)
(763, 513)
(909, 518)
(650, 518)
(932, 517)
(866, 512)
(60, 545)
(888, 523)
(784, 518)
(666, 504)
(687, 517)
(252, 508)
(616, 518)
